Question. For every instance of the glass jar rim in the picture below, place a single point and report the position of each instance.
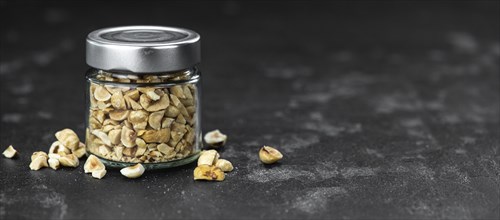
(195, 77)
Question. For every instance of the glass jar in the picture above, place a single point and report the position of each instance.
(143, 96)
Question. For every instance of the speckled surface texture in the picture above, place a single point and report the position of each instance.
(381, 110)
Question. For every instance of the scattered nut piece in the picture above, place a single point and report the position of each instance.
(68, 138)
(38, 162)
(99, 174)
(58, 148)
(207, 172)
(269, 155)
(133, 171)
(54, 163)
(81, 151)
(54, 156)
(69, 160)
(93, 164)
(215, 138)
(10, 152)
(224, 165)
(208, 157)
(37, 154)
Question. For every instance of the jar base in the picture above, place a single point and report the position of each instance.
(151, 166)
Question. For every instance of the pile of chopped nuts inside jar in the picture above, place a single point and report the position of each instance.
(142, 124)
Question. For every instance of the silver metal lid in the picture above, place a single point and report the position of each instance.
(143, 49)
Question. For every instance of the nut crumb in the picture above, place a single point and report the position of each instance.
(99, 174)
(68, 138)
(69, 160)
(269, 155)
(133, 171)
(54, 163)
(10, 152)
(39, 160)
(224, 165)
(215, 139)
(208, 157)
(208, 172)
(92, 164)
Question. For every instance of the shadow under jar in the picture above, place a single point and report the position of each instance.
(143, 96)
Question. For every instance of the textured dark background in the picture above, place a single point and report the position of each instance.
(382, 110)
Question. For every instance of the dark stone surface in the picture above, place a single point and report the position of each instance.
(382, 110)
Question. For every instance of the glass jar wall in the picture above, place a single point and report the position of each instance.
(143, 118)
